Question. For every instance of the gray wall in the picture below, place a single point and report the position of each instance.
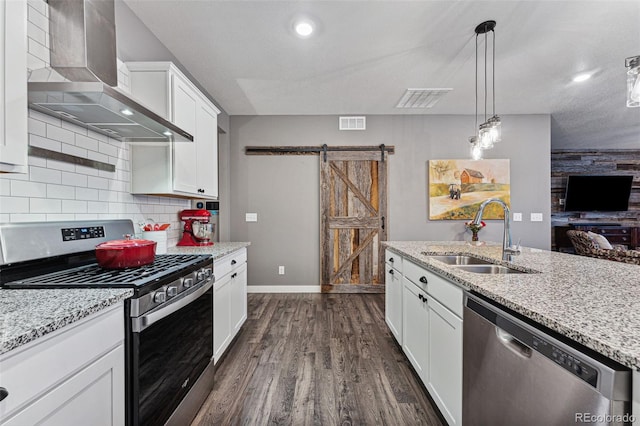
(283, 190)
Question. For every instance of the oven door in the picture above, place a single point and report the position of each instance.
(169, 349)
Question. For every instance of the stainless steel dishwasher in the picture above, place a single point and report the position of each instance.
(514, 373)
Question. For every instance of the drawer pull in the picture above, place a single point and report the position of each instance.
(391, 271)
(423, 279)
(233, 262)
(391, 259)
(3, 393)
(234, 275)
(421, 297)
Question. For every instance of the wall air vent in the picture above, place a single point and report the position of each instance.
(353, 123)
(421, 98)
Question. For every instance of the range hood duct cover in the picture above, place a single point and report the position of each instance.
(83, 51)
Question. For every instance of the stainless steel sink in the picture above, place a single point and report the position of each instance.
(460, 260)
(489, 269)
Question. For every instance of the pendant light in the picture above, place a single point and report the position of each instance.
(490, 131)
(633, 81)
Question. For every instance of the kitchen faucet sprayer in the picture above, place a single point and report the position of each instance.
(507, 251)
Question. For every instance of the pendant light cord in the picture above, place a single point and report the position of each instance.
(476, 85)
(493, 72)
(485, 77)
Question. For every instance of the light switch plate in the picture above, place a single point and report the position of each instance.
(251, 217)
(536, 217)
(517, 217)
(281, 270)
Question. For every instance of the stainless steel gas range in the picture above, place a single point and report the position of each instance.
(168, 321)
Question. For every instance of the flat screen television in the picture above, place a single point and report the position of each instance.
(598, 193)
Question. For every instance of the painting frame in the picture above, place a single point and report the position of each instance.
(457, 187)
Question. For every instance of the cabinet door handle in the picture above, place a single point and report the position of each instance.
(423, 279)
(233, 262)
(3, 393)
(391, 259)
(420, 297)
(391, 271)
(234, 275)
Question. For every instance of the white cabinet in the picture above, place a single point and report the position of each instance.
(229, 300)
(431, 329)
(444, 381)
(180, 169)
(13, 87)
(74, 375)
(415, 318)
(393, 297)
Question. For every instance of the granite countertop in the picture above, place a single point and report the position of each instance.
(217, 250)
(26, 315)
(592, 301)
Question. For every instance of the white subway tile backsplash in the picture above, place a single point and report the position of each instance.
(74, 206)
(111, 196)
(38, 50)
(37, 127)
(36, 33)
(36, 16)
(97, 207)
(108, 149)
(55, 217)
(87, 194)
(117, 208)
(37, 115)
(40, 174)
(27, 217)
(5, 186)
(74, 150)
(28, 189)
(44, 205)
(38, 161)
(61, 191)
(87, 142)
(92, 155)
(40, 6)
(60, 134)
(43, 142)
(97, 136)
(35, 63)
(97, 182)
(87, 171)
(59, 165)
(14, 204)
(86, 216)
(74, 128)
(74, 179)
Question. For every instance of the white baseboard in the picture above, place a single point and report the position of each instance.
(284, 289)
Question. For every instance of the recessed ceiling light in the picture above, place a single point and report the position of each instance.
(582, 77)
(303, 28)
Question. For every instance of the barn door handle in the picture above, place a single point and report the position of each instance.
(383, 222)
(382, 151)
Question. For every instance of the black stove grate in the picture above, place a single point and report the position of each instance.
(93, 275)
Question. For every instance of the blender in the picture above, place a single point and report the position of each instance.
(197, 231)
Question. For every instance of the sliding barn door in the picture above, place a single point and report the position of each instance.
(353, 210)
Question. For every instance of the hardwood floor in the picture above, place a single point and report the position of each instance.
(316, 359)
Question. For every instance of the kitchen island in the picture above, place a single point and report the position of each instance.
(591, 301)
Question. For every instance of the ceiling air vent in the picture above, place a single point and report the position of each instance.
(353, 123)
(421, 98)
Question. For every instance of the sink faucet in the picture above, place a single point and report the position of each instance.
(507, 250)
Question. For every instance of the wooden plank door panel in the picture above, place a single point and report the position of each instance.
(353, 215)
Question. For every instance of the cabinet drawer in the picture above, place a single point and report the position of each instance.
(226, 264)
(393, 260)
(414, 273)
(448, 294)
(29, 371)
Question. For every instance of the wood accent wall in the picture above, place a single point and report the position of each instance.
(594, 162)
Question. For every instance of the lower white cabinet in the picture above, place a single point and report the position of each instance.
(444, 378)
(229, 300)
(415, 318)
(393, 302)
(431, 330)
(75, 375)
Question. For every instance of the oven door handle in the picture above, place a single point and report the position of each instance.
(141, 323)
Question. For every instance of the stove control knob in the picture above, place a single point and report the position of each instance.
(159, 297)
(188, 282)
(208, 273)
(201, 275)
(172, 291)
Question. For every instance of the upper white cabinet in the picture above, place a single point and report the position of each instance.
(13, 87)
(181, 168)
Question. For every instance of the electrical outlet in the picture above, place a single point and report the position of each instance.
(280, 270)
(517, 217)
(536, 217)
(561, 201)
(251, 217)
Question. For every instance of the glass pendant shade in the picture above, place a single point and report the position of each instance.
(476, 149)
(633, 81)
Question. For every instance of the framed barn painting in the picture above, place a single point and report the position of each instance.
(458, 187)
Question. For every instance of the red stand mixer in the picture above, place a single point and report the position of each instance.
(197, 229)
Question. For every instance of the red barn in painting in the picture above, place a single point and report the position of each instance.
(471, 176)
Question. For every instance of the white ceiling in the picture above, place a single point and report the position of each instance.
(367, 53)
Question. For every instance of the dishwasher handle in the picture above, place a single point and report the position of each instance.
(513, 344)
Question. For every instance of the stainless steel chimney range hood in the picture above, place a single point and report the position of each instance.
(83, 52)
